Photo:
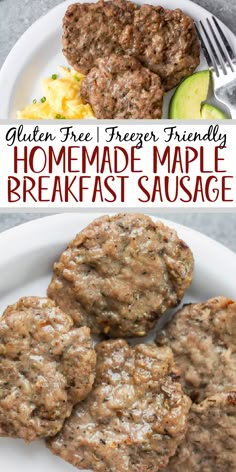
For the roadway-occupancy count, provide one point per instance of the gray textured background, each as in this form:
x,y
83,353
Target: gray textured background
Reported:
x,y
17,15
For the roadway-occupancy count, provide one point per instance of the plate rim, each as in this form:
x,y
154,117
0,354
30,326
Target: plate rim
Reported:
x,y
8,79
207,245
9,234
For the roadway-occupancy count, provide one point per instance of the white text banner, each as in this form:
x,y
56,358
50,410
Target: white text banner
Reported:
x,y
164,165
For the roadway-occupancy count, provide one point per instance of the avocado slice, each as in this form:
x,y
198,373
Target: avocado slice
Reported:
x,y
208,112
187,100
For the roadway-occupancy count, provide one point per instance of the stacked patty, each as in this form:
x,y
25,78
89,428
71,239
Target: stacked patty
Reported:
x,y
167,406
118,276
202,337
210,442
46,367
102,38
119,87
92,31
135,416
121,273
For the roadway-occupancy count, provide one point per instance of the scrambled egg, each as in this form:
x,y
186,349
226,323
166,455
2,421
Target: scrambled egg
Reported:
x,y
61,99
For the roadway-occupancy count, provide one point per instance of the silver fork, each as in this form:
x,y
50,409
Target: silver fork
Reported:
x,y
221,60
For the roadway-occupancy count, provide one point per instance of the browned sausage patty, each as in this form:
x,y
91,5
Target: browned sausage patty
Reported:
x,y
203,339
210,442
121,273
135,416
165,41
92,31
46,366
119,87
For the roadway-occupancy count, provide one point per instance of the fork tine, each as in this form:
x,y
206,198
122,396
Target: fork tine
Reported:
x,y
225,41
213,53
205,50
222,52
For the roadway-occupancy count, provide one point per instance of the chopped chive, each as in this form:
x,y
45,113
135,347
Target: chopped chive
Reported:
x,y
77,78
54,76
34,101
60,117
43,100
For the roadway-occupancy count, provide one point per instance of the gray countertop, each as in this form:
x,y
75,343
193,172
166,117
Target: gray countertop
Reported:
x,y
17,15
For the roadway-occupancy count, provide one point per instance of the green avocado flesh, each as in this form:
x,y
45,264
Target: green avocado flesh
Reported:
x,y
186,103
208,112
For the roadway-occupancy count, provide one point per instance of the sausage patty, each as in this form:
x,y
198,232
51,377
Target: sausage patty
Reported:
x,y
119,87
121,273
46,366
210,442
203,339
135,416
165,41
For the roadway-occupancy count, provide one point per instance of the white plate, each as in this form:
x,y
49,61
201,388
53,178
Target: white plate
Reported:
x,y
38,54
27,253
